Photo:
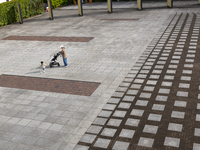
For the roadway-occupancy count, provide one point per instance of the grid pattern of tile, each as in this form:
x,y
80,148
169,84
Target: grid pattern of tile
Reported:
x,y
49,85
49,38
157,105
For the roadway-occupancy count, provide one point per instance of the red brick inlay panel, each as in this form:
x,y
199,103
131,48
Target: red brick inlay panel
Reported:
x,y
49,38
49,85
121,19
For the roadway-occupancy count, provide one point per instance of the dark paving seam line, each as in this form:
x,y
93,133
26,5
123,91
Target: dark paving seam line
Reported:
x,y
82,143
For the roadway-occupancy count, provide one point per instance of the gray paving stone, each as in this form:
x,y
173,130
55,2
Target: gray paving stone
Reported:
x,y
145,95
141,103
147,142
127,133
109,106
180,103
44,125
190,55
118,94
119,113
159,107
191,51
131,75
197,132
187,71
164,83
178,114
114,122
185,78
184,85
159,66
162,58
146,67
149,63
100,121
143,76
2,143
182,94
88,138
137,112
9,146
174,61
132,122
42,143
124,105
121,89
94,129
102,143
152,82
108,132
196,146
168,77
51,119
148,88
197,117
171,71
175,127
121,145
172,142
132,92
164,91
136,86
156,71
138,81
128,98
188,65
161,62
198,105
56,127
145,72
150,129
125,84
161,98
154,117
173,66
114,100
105,113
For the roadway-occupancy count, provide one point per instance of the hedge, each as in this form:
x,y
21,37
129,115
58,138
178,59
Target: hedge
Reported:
x,y
57,3
9,12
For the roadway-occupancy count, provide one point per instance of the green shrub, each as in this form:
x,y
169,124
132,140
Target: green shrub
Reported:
x,y
9,12
56,3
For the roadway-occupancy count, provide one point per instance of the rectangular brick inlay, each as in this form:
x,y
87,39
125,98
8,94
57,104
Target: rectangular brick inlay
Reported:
x,y
121,19
49,38
49,85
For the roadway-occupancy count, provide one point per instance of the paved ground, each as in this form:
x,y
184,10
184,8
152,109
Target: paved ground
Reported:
x,y
147,66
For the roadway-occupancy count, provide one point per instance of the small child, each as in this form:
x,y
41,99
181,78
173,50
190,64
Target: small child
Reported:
x,y
43,66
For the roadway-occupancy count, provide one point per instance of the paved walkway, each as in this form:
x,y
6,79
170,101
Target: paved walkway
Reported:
x,y
147,67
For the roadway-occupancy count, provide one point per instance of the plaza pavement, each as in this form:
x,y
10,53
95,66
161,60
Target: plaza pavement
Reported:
x,y
46,120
